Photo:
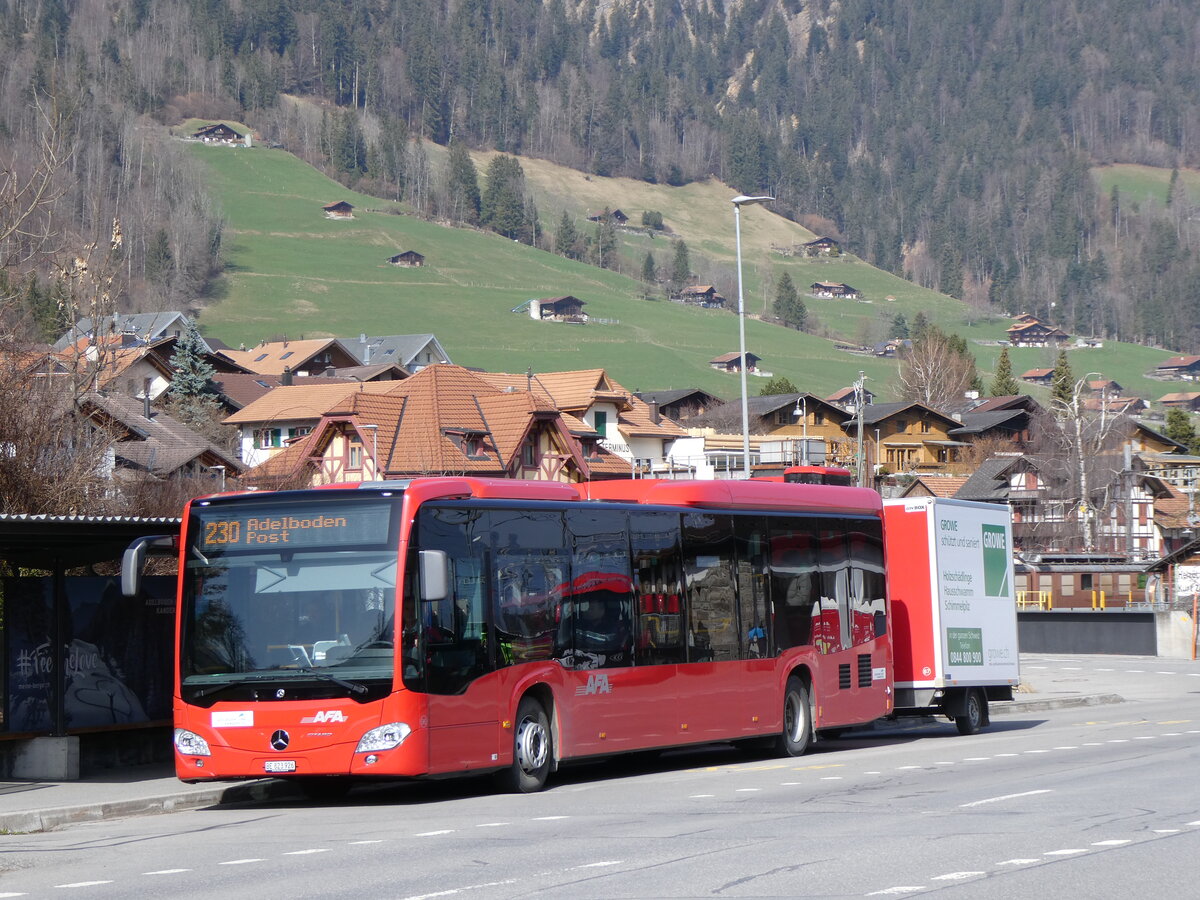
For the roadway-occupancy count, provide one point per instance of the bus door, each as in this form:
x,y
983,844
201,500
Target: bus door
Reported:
x,y
612,705
462,696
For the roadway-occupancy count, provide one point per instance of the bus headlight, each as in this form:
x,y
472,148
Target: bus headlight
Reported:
x,y
191,744
385,737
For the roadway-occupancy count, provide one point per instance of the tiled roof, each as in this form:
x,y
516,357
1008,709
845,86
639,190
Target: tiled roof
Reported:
x,y
272,358
1176,362
941,485
1180,397
307,401
1037,373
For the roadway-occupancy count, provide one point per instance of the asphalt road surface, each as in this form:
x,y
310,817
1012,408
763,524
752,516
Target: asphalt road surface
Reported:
x,y
1071,801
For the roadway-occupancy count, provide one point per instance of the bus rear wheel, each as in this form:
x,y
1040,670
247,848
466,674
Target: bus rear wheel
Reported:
x,y
797,719
532,749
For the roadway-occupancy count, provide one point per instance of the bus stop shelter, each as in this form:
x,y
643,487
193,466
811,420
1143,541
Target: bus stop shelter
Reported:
x,y
79,663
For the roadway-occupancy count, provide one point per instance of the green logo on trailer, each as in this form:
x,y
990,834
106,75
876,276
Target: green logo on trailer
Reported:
x,y
995,561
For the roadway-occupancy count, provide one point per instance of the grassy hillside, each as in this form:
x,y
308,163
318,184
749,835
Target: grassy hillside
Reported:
x,y
293,272
1144,185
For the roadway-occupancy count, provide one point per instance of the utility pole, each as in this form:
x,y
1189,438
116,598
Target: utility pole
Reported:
x,y
859,394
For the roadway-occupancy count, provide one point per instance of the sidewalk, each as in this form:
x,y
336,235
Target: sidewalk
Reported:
x,y
27,806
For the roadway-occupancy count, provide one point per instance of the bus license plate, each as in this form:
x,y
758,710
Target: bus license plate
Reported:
x,y
280,765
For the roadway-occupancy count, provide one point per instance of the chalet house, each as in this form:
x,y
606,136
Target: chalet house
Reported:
x,y
1184,368
892,347
834,290
701,295
220,133
339,210
680,405
409,259
909,437
412,352
1114,406
1014,425
284,414
845,398
636,432
822,246
616,216
558,309
934,485
1106,388
152,444
1034,489
731,362
444,420
297,358
800,428
1038,376
1187,400
1036,334
107,366
134,329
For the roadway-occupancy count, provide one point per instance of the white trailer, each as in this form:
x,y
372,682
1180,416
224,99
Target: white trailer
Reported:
x,y
953,609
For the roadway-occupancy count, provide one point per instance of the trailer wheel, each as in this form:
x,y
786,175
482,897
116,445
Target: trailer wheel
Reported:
x,y
797,719
532,750
974,713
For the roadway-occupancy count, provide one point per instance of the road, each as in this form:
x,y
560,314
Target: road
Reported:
x,y
1095,801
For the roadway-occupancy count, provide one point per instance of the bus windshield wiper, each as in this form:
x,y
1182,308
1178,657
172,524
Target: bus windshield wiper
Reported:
x,y
353,686
226,685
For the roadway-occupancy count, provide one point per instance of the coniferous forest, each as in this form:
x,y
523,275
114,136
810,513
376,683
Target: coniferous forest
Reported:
x,y
949,142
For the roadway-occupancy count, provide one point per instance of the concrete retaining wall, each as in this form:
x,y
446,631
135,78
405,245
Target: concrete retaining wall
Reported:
x,y
1118,632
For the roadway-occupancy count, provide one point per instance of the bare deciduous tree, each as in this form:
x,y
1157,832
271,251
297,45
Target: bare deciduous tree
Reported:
x,y
935,373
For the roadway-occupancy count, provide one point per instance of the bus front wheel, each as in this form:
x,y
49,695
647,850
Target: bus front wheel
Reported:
x,y
797,719
532,749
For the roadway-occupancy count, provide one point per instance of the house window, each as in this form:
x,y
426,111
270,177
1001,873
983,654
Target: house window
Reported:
x,y
818,417
529,454
901,426
268,438
600,420
924,426
260,358
286,355
354,456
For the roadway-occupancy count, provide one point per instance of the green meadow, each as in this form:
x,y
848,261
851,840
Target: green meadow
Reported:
x,y
293,273
1144,185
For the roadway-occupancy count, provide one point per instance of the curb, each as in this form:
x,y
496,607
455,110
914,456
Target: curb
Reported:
x,y
35,820
1020,706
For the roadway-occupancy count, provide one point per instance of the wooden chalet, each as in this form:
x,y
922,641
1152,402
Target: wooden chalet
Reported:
x,y
558,309
1184,368
1036,334
701,295
1105,388
616,216
845,398
219,133
822,246
680,405
836,290
295,358
731,362
409,259
1038,376
1185,400
339,210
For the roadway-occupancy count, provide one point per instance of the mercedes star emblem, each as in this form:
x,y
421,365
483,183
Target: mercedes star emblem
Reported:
x,y
280,739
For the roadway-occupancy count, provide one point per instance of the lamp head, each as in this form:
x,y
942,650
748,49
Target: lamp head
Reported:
x,y
748,200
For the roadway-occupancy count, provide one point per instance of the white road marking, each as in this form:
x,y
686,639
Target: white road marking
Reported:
x,y
159,872
434,833
597,865
701,796
470,887
793,783
549,818
870,773
1069,852
902,768
998,755
12,895
1113,843
307,852
1136,671
1093,744
78,884
238,862
1166,831
832,778
1037,751
957,876
1017,862
943,763
1144,737
1066,748
747,790
1119,741
1003,797
899,889
977,759
1106,670
1170,734
365,842
492,824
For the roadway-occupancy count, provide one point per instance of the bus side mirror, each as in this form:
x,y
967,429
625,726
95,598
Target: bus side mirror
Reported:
x,y
135,559
434,574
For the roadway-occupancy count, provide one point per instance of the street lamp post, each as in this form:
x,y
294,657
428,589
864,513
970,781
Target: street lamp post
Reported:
x,y
738,202
802,411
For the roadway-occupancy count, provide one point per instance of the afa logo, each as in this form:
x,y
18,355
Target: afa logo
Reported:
x,y
596,684
329,715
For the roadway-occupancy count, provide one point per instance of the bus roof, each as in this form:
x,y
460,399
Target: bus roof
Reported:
x,y
728,494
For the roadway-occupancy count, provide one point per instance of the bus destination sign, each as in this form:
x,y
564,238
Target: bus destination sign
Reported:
x,y
265,527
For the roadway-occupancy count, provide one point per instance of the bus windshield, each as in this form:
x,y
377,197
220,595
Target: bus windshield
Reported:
x,y
283,600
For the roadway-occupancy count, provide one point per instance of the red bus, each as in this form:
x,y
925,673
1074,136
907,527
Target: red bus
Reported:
x,y
448,625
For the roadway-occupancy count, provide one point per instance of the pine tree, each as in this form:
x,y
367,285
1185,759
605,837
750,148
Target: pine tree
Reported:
x,y
463,185
566,238
900,327
1179,428
920,325
649,269
780,384
1062,382
1004,384
681,267
502,207
193,373
604,243
789,308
